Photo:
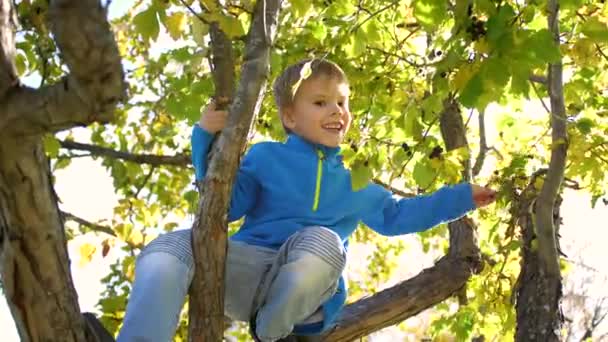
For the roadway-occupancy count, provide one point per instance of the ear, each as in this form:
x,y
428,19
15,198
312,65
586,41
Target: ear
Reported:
x,y
288,118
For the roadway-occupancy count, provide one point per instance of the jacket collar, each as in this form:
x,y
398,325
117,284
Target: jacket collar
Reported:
x,y
298,143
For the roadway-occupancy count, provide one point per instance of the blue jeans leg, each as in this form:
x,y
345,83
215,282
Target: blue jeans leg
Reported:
x,y
161,284
304,275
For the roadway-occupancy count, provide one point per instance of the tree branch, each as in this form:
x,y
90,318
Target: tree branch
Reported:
x,y
483,146
92,90
559,137
393,189
209,231
538,79
92,226
182,160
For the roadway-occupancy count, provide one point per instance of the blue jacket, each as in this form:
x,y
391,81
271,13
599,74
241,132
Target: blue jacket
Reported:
x,y
283,187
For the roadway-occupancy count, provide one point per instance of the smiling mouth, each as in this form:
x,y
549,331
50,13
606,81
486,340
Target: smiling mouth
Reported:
x,y
334,127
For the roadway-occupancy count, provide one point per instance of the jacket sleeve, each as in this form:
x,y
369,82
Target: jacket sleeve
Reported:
x,y
245,188
390,216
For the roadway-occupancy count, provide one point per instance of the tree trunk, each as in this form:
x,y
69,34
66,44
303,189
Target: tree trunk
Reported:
x,y
34,258
34,263
538,314
209,230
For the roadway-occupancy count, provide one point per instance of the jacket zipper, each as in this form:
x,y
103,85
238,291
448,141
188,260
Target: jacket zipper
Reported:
x,y
321,156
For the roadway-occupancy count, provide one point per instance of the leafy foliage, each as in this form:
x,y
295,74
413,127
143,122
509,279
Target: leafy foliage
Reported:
x,y
403,59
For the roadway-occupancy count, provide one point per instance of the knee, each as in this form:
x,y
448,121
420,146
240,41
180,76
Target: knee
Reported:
x,y
324,243
176,243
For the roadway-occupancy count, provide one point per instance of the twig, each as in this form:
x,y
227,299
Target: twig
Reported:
x,y
540,98
538,79
469,118
483,147
393,189
426,133
194,12
92,226
373,15
145,181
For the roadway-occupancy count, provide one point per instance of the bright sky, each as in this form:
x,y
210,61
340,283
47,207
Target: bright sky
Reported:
x,y
584,228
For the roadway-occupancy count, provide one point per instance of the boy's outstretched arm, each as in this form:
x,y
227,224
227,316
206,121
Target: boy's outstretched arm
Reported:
x,y
245,187
390,216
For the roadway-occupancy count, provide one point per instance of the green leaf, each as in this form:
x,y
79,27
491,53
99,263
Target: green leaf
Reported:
x,y
584,125
199,30
340,7
359,43
471,92
430,13
231,26
62,164
21,64
301,7
146,24
318,30
360,176
424,174
498,25
596,30
544,46
51,145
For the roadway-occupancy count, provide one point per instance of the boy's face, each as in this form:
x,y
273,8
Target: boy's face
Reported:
x,y
319,112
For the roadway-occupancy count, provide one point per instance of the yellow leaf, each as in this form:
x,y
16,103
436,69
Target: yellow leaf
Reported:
x,y
482,46
175,24
136,237
86,253
462,77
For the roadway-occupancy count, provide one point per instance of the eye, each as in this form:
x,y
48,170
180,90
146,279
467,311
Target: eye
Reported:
x,y
320,103
341,104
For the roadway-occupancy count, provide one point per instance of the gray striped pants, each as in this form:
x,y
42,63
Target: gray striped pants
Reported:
x,y
285,287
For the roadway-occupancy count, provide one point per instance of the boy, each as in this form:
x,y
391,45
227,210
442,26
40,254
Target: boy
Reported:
x,y
284,265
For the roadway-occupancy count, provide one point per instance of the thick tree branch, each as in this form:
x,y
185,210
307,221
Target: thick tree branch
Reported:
x,y
412,296
151,159
559,140
34,263
89,93
209,230
539,286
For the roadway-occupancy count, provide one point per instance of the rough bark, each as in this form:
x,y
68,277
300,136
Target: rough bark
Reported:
x,y
92,89
209,231
432,286
538,297
537,307
34,263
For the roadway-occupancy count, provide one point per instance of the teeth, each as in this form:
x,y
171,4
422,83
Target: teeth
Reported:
x,y
333,126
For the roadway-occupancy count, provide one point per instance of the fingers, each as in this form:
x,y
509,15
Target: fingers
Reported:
x,y
483,196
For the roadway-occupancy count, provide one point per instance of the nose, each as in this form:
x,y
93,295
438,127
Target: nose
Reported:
x,y
336,109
